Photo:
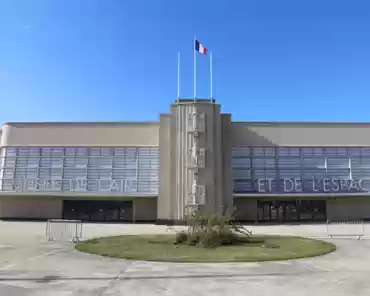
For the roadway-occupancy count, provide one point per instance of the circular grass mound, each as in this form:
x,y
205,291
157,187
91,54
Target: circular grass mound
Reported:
x,y
162,248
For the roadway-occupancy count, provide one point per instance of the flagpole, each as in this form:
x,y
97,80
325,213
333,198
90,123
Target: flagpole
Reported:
x,y
211,75
178,75
195,69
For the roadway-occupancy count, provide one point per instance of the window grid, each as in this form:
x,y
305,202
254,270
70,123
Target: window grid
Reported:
x,y
127,169
305,163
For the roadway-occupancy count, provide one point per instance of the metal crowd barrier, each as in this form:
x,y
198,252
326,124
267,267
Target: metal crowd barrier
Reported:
x,y
64,230
345,228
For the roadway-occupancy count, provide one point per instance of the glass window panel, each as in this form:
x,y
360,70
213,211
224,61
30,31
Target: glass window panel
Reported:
x,y
365,151
318,151
259,174
335,162
80,164
270,151
289,162
95,151
10,161
11,152
237,174
81,151
289,173
318,173
258,151
354,151
356,161
333,173
342,151
241,152
271,174
243,186
282,151
314,162
8,173
331,151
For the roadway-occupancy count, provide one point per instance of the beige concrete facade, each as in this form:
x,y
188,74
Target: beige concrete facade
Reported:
x,y
145,209
300,134
192,131
30,207
348,208
246,209
80,134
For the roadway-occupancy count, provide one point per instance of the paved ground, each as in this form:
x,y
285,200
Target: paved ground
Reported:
x,y
30,265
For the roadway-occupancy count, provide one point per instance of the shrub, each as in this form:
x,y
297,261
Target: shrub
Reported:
x,y
209,239
213,231
193,238
181,237
227,237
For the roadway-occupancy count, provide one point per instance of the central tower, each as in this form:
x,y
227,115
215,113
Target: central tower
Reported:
x,y
196,166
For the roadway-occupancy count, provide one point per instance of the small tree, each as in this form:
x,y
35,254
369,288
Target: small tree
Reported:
x,y
211,231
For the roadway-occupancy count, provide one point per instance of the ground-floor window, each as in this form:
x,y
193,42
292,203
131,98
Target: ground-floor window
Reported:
x,y
291,210
97,210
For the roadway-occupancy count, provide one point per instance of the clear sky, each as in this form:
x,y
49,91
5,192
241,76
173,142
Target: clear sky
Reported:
x,y
115,60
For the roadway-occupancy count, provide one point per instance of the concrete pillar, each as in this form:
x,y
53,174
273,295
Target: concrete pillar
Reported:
x,y
212,172
227,176
165,194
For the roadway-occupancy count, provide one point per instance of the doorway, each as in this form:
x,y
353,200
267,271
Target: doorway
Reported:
x,y
98,210
291,210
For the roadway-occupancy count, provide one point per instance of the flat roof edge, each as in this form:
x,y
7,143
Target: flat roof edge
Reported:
x,y
279,195
277,123
74,194
92,123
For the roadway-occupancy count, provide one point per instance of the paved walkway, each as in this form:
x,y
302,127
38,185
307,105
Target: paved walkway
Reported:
x,y
29,265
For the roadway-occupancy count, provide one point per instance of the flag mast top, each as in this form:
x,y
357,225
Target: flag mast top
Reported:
x,y
197,47
178,76
195,67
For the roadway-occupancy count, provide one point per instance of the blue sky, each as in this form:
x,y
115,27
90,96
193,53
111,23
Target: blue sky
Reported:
x,y
115,60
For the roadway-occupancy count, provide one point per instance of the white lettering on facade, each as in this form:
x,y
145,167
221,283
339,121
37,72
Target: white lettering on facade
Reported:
x,y
114,186
343,184
78,184
326,184
269,182
335,185
291,185
318,185
352,185
260,185
314,185
27,184
362,186
297,185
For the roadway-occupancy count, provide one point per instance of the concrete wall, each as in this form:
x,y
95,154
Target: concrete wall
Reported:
x,y
300,134
246,209
182,139
80,134
30,208
164,203
145,209
348,208
227,180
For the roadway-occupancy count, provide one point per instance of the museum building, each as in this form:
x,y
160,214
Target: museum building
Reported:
x,y
195,157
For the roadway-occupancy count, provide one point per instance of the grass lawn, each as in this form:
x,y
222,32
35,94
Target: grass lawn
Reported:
x,y
161,248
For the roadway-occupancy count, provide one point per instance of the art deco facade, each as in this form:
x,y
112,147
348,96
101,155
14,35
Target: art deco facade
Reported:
x,y
195,157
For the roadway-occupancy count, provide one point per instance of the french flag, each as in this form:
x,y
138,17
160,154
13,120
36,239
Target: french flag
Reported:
x,y
200,47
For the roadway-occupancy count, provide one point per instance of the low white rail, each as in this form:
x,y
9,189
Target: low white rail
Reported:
x,y
64,230
345,228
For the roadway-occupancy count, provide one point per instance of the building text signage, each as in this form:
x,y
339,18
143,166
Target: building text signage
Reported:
x,y
79,185
315,185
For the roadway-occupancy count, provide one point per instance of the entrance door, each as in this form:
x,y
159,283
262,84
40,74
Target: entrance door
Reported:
x,y
98,210
291,210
